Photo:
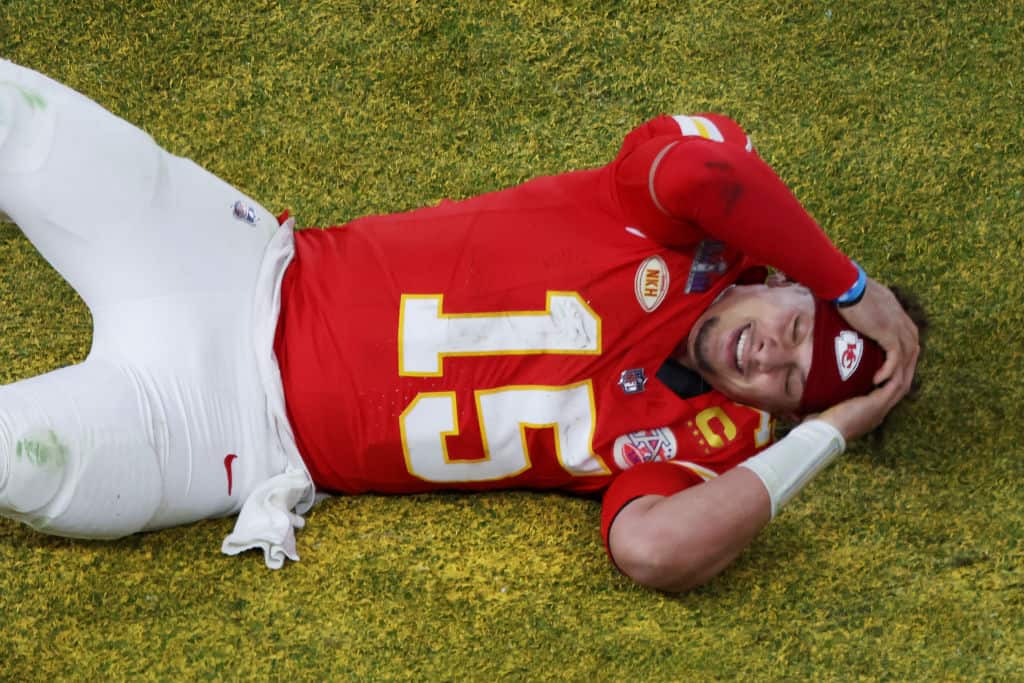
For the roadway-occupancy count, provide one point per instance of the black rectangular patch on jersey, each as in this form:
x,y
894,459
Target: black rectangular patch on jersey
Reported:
x,y
709,264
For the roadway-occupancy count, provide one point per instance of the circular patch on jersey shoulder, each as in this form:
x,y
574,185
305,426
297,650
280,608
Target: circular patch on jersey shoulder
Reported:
x,y
648,445
651,282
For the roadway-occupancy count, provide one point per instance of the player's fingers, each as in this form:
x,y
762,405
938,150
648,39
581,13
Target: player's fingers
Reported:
x,y
900,353
880,402
892,362
913,353
896,389
903,380
908,335
910,348
915,333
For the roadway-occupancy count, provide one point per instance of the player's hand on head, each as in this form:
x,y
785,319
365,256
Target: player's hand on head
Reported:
x,y
857,416
880,316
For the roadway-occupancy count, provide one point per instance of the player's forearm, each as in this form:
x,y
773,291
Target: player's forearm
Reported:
x,y
734,196
679,542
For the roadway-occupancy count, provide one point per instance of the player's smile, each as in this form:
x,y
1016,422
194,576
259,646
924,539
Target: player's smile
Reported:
x,y
739,348
754,344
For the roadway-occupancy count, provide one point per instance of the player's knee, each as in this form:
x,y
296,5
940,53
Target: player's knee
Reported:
x,y
90,486
32,469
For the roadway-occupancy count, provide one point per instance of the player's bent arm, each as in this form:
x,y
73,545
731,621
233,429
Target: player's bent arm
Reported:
x,y
736,197
680,541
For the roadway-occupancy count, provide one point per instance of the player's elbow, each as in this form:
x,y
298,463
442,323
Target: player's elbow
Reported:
x,y
664,562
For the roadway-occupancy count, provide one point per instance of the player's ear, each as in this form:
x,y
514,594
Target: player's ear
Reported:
x,y
777,279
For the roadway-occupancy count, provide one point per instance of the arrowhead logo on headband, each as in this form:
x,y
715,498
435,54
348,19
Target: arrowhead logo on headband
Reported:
x,y
849,350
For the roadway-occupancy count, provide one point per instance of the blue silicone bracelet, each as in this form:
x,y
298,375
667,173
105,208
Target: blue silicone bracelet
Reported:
x,y
854,294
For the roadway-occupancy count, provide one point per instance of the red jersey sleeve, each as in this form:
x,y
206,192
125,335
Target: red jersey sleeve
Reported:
x,y
716,437
701,178
648,479
711,126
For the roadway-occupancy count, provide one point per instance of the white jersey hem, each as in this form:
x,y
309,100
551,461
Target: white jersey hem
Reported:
x,y
273,510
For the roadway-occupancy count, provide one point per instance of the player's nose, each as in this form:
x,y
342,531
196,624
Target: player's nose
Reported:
x,y
768,353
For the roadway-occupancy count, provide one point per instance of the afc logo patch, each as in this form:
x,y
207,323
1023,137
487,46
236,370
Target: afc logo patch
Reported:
x,y
648,445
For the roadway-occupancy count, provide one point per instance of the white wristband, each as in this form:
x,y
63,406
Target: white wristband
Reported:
x,y
788,465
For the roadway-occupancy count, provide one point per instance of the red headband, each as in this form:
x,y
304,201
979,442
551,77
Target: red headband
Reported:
x,y
843,362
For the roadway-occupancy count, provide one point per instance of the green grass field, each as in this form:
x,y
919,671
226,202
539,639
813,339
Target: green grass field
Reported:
x,y
899,125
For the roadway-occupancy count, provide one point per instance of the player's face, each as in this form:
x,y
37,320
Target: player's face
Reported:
x,y
754,344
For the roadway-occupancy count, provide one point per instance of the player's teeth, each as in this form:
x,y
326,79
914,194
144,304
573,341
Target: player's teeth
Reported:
x,y
741,343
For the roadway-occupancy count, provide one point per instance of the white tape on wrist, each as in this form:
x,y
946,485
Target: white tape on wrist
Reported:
x,y
788,465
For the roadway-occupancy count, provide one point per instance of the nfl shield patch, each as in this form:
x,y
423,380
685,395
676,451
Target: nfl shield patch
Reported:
x,y
245,212
633,381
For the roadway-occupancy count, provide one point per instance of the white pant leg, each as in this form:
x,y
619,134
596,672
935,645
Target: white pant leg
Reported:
x,y
171,272
115,214
173,427
66,433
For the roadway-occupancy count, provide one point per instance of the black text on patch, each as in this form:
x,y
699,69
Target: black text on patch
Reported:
x,y
651,283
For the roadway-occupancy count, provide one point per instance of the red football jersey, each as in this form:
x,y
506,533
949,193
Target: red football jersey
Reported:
x,y
512,339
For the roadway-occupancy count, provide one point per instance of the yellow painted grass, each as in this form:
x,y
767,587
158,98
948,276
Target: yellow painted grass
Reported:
x,y
899,125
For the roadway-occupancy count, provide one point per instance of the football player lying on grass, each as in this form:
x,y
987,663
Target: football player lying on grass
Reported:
x,y
521,339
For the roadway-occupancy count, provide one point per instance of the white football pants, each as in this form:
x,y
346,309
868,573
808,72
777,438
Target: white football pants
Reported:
x,y
177,414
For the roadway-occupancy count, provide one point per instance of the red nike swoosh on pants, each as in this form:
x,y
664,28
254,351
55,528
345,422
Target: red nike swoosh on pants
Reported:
x,y
228,460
